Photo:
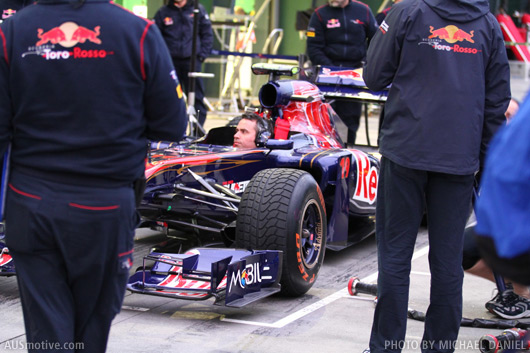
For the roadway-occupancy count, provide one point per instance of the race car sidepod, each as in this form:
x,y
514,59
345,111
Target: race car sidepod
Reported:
x,y
235,277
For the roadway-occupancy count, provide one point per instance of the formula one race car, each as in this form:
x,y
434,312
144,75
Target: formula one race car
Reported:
x,y
299,193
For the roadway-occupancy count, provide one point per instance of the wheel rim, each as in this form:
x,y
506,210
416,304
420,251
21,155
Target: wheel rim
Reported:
x,y
311,231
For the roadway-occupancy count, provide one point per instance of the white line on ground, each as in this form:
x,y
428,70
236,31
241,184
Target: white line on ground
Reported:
x,y
343,293
134,308
420,273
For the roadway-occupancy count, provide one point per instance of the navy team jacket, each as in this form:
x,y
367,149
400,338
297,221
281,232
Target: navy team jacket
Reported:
x,y
338,36
450,79
176,26
82,88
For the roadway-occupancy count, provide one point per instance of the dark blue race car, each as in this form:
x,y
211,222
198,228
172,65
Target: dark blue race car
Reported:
x,y
270,212
300,193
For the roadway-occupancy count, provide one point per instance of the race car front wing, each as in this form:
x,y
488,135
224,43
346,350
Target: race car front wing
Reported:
x,y
234,277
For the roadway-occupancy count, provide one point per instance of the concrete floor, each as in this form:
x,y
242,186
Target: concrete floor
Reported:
x,y
326,319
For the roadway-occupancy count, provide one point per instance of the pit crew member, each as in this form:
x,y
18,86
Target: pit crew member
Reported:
x,y
11,7
337,36
502,208
175,21
450,79
514,302
83,85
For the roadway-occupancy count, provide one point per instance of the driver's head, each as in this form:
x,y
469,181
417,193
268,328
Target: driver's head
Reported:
x,y
248,129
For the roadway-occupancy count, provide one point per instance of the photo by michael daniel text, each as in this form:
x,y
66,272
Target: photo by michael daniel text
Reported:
x,y
447,345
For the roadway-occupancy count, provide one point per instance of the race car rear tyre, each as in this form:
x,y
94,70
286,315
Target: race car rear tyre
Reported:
x,y
283,209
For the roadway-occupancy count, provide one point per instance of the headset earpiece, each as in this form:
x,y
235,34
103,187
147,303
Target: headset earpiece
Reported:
x,y
264,132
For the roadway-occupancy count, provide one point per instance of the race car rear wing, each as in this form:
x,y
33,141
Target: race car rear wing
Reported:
x,y
334,82
343,83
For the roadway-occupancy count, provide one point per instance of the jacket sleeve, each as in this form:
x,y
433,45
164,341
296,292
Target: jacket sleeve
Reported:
x,y
158,19
5,100
502,209
205,34
384,51
497,90
371,25
316,42
165,109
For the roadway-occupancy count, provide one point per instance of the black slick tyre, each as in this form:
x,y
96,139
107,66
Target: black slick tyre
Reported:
x,y
283,209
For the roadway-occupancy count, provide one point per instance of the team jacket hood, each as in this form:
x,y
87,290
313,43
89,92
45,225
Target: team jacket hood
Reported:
x,y
459,10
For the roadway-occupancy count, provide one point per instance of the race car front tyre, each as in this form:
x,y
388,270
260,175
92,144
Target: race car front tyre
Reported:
x,y
283,209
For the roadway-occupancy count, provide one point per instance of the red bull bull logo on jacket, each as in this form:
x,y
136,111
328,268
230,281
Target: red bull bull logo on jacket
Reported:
x,y
441,38
8,13
333,23
451,34
68,35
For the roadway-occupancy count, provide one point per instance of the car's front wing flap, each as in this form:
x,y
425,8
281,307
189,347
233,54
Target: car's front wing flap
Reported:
x,y
234,277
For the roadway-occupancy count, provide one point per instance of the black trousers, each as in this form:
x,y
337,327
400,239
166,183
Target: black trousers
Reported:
x,y
72,248
402,196
350,114
182,67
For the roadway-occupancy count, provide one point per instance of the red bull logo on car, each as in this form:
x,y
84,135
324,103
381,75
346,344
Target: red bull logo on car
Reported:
x,y
440,39
68,35
367,179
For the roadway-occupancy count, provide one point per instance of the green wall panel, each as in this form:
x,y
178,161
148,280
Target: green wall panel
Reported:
x,y
292,44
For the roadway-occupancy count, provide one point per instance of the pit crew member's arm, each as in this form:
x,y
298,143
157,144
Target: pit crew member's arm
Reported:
x,y
384,51
165,109
502,209
316,42
5,101
206,35
497,89
158,20
371,25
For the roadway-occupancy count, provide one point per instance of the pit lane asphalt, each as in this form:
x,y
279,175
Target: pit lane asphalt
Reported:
x,y
326,319
155,324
